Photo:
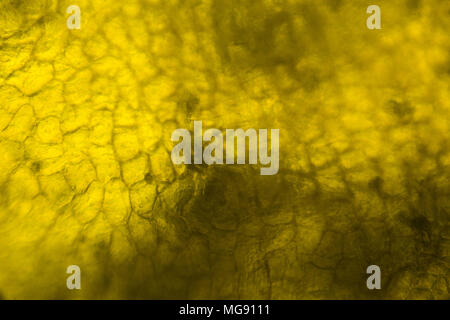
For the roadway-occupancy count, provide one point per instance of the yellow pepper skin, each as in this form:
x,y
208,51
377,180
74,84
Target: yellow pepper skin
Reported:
x,y
86,177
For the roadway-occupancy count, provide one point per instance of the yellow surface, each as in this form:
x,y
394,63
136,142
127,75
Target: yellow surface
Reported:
x,y
86,178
